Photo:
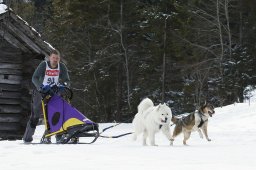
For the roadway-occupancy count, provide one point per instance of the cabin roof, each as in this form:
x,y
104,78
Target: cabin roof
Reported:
x,y
20,34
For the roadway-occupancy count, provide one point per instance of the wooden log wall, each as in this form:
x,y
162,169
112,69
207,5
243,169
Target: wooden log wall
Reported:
x,y
14,96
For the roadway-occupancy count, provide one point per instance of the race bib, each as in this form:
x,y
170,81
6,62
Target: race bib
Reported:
x,y
51,75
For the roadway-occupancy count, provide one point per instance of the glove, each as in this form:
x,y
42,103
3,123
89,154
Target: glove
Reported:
x,y
61,88
45,88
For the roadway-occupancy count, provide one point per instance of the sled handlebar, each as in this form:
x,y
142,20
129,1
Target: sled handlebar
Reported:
x,y
61,90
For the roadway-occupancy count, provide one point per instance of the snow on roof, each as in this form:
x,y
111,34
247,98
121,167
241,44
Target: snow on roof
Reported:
x,y
49,45
2,8
32,28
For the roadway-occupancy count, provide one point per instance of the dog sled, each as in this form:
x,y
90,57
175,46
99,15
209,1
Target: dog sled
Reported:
x,y
65,121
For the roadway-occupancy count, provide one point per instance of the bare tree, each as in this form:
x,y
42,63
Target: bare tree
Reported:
x,y
220,29
164,59
124,50
226,6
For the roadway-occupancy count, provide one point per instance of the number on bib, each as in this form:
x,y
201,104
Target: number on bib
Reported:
x,y
50,80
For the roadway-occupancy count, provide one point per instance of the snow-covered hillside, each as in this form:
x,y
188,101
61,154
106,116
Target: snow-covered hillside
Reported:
x,y
232,130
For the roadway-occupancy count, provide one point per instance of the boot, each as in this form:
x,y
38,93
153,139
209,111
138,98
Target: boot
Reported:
x,y
74,140
27,137
46,140
62,139
58,138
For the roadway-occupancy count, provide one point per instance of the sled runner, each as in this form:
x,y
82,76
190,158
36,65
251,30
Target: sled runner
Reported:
x,y
63,120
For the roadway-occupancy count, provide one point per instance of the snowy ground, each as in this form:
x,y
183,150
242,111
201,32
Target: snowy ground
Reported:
x,y
232,130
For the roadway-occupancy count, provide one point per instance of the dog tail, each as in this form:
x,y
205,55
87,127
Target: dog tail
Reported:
x,y
145,104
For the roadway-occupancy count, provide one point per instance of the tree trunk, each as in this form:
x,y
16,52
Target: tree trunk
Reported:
x,y
164,60
240,27
119,93
228,28
124,50
220,30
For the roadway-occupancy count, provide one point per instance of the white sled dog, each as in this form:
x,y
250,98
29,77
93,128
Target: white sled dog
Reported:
x,y
151,119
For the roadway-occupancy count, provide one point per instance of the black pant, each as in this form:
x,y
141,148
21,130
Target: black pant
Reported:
x,y
36,111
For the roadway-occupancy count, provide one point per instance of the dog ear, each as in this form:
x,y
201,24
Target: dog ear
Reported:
x,y
205,104
201,109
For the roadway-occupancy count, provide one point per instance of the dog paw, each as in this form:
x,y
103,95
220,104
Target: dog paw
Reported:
x,y
209,139
185,144
201,135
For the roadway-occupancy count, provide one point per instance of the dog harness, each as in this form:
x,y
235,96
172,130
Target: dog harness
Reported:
x,y
202,121
51,75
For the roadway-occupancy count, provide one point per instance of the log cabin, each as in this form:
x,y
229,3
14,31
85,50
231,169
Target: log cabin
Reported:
x,y
21,50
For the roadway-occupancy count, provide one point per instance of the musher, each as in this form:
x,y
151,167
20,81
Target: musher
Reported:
x,y
48,72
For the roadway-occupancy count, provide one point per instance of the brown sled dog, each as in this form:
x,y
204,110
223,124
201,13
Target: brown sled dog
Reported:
x,y
193,122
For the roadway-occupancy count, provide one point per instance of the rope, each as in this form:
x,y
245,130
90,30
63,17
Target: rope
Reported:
x,y
117,136
109,127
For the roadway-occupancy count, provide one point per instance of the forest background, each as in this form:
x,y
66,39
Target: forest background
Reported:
x,y
182,52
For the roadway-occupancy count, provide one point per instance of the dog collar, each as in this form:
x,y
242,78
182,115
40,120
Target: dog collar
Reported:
x,y
201,114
